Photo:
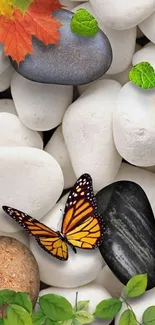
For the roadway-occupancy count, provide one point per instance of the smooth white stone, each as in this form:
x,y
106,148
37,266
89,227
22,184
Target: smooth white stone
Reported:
x,y
7,105
122,42
4,60
147,26
40,106
146,54
57,148
109,281
122,14
138,305
5,78
31,181
79,269
15,134
22,236
140,176
134,129
93,293
87,130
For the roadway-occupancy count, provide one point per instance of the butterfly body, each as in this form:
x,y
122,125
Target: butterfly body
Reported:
x,y
81,227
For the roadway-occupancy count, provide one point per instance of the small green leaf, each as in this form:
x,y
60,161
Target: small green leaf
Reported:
x,y
17,315
84,317
108,308
143,75
66,322
149,316
136,286
21,5
128,318
82,305
56,307
83,23
6,296
38,318
23,300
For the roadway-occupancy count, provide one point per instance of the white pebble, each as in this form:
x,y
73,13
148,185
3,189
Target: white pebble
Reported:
x,y
31,181
87,130
69,4
122,42
140,176
109,281
57,148
134,125
40,106
5,78
138,305
146,54
147,26
80,268
7,105
124,14
15,134
93,293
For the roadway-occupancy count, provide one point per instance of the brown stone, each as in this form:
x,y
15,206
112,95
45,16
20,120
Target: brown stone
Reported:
x,y
18,268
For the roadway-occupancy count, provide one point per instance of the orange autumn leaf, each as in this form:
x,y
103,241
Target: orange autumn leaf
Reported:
x,y
16,33
48,5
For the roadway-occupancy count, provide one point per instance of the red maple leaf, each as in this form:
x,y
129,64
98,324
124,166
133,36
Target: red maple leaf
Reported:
x,y
17,34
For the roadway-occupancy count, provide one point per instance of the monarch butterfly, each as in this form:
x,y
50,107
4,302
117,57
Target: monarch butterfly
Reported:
x,y
81,227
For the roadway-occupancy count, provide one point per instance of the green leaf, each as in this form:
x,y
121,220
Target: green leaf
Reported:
x,y
143,75
128,318
56,307
108,308
149,316
67,322
83,23
21,4
51,322
38,318
23,300
1,321
17,315
82,305
84,317
6,296
136,286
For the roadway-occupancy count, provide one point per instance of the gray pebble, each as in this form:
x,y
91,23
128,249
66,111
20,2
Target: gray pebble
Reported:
x,y
75,60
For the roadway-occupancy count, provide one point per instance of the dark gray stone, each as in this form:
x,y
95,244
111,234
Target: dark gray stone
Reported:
x,y
75,60
129,239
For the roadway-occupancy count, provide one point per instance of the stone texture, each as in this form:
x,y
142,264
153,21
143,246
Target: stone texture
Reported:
x,y
71,62
129,239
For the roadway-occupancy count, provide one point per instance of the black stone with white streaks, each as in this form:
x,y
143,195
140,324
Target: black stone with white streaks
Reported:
x,y
129,239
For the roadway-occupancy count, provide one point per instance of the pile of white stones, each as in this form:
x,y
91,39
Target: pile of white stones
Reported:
x,y
112,119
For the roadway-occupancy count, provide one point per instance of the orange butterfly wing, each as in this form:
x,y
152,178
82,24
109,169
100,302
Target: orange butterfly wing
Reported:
x,y
47,238
81,225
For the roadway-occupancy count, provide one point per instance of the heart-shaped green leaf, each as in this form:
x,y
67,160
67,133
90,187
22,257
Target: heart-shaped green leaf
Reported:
x,y
128,318
56,307
84,24
149,316
108,308
136,286
143,75
17,315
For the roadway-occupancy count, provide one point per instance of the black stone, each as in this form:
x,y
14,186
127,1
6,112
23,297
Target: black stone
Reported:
x,y
129,238
74,60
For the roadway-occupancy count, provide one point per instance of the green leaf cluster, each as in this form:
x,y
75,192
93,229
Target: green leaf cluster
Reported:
x,y
16,308
143,75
